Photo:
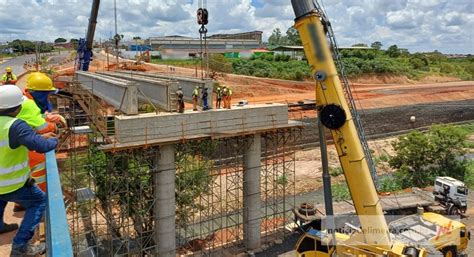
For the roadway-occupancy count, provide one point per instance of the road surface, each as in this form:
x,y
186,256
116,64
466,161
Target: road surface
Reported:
x,y
16,64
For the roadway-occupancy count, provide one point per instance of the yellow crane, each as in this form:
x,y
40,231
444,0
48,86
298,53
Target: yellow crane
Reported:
x,y
336,114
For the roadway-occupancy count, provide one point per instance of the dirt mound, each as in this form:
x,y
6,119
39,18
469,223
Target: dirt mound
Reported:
x,y
397,79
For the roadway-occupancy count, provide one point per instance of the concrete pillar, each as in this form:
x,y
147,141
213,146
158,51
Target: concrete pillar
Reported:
x,y
252,200
163,180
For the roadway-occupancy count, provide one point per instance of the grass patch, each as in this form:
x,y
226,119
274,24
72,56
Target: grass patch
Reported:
x,y
180,63
340,192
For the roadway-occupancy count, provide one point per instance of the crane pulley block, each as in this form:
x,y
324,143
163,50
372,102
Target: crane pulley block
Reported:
x,y
202,16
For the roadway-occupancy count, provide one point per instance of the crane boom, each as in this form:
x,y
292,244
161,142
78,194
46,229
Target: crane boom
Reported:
x,y
92,24
335,115
85,45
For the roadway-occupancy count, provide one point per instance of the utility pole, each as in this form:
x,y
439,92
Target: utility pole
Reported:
x,y
117,37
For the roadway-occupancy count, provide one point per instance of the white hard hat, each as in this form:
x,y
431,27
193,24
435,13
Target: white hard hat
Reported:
x,y
10,97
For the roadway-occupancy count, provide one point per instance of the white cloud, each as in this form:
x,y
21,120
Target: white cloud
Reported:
x,y
419,25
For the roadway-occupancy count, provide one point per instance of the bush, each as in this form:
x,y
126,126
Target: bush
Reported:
x,y
389,184
421,157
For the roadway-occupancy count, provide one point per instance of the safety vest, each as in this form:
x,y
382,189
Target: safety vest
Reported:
x,y
14,169
5,77
195,92
31,114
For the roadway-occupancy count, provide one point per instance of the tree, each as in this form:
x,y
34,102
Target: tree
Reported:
x,y
376,45
219,66
74,42
393,51
275,38
420,158
137,38
60,40
293,37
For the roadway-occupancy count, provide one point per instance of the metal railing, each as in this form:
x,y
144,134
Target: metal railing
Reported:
x,y
58,239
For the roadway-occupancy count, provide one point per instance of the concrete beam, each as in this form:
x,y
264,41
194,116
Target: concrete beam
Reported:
x,y
164,209
251,191
152,126
161,93
187,83
121,94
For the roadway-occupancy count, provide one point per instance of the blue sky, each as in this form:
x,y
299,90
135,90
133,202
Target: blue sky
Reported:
x,y
419,25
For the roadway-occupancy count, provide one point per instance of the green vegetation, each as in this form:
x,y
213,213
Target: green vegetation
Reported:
x,y
469,177
356,62
335,171
340,192
392,61
420,157
272,66
181,63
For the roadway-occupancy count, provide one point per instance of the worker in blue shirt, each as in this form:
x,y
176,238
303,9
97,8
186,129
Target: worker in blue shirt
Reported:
x,y
16,138
205,105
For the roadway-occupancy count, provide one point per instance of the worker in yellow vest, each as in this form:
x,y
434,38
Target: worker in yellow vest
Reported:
x,y
41,123
9,78
195,98
16,138
229,97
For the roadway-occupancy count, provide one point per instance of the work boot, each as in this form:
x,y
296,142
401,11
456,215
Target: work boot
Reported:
x,y
28,250
8,228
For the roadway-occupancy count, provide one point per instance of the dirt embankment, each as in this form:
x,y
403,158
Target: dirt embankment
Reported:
x,y
398,79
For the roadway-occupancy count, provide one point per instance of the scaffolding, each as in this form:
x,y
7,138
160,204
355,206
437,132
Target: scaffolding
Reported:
x,y
111,193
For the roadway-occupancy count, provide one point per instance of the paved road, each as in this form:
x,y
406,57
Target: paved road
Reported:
x,y
16,64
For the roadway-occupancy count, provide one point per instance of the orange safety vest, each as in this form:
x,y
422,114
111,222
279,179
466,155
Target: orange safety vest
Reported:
x,y
31,114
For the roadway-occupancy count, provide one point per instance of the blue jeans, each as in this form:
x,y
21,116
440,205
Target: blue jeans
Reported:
x,y
34,201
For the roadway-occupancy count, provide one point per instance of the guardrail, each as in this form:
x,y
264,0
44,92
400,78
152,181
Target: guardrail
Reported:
x,y
58,238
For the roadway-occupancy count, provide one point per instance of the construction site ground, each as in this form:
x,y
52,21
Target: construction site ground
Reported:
x,y
371,92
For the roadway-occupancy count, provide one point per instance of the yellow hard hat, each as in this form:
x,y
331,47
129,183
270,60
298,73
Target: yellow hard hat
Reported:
x,y
8,69
38,81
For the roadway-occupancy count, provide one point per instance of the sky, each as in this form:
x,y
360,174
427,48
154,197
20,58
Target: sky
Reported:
x,y
418,25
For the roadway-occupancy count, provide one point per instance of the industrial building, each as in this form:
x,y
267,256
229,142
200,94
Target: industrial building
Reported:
x,y
179,47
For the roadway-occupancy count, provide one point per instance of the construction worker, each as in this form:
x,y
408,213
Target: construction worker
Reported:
x,y
41,123
229,97
180,103
39,87
225,93
218,98
205,105
195,98
16,138
9,77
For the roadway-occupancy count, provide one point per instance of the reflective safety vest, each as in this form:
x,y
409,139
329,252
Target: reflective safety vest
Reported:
x,y
31,114
14,169
6,77
195,92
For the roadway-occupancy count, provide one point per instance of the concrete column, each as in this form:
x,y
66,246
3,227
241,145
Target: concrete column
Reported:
x,y
252,200
163,180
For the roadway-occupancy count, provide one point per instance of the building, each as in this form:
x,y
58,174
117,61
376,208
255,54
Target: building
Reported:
x,y
179,47
297,52
252,35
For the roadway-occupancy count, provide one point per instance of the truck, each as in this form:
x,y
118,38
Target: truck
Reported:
x,y
451,194
337,113
431,230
